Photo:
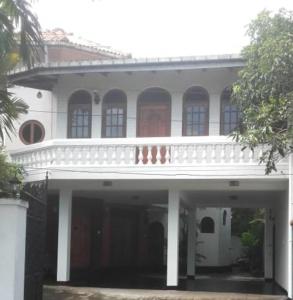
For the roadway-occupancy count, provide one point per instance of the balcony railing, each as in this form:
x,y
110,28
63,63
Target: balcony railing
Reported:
x,y
147,152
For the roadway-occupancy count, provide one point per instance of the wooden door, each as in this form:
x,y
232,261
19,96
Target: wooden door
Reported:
x,y
154,120
80,241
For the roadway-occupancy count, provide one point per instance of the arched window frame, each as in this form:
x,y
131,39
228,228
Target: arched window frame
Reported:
x,y
207,225
195,105
114,107
229,111
83,102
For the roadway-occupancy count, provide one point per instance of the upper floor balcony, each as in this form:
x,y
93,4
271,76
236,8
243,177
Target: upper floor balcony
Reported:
x,y
136,158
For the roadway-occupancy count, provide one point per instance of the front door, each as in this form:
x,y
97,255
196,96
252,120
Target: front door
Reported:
x,y
154,121
80,241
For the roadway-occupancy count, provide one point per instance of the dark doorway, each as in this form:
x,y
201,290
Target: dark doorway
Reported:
x,y
156,245
123,238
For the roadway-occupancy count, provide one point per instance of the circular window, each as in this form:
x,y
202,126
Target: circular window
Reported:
x,y
31,132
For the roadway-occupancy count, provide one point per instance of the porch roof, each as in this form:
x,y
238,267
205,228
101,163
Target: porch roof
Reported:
x,y
45,75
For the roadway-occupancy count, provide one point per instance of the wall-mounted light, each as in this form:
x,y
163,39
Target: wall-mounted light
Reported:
x,y
39,95
234,183
97,98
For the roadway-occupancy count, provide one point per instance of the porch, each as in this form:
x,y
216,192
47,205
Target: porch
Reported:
x,y
104,228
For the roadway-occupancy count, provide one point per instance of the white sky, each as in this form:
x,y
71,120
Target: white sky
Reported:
x,y
148,28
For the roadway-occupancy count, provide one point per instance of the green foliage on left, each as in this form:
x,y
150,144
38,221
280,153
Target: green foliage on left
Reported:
x,y
8,172
20,42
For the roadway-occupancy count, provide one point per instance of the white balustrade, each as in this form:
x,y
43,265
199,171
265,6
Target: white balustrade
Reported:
x,y
149,152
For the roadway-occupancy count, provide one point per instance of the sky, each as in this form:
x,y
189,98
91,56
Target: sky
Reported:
x,y
158,28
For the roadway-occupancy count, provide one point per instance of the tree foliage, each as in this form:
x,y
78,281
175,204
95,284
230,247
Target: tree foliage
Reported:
x,y
8,172
264,91
20,41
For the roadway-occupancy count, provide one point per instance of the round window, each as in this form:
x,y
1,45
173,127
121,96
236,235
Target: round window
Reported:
x,y
31,132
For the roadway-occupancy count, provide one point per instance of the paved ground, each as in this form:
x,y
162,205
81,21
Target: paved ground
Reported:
x,y
82,293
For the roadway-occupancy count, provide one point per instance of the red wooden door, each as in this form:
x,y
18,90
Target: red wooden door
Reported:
x,y
154,121
80,241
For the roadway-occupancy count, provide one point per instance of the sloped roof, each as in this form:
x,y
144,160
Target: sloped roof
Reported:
x,y
60,37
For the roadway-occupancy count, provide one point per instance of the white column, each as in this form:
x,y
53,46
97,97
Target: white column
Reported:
x,y
214,114
173,238
268,244
97,117
290,218
176,114
131,114
191,243
64,235
12,248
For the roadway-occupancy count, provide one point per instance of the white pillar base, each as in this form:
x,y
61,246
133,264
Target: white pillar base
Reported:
x,y
64,235
173,238
12,248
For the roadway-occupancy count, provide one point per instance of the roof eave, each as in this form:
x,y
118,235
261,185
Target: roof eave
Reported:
x,y
41,72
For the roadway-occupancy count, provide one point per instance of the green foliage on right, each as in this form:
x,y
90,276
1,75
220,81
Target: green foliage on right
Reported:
x,y
264,91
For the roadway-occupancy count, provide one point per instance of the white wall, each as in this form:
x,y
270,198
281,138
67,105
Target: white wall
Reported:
x,y
38,110
12,248
214,81
215,246
281,240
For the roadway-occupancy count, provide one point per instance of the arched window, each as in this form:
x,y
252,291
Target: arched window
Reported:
x,y
225,217
195,112
230,113
114,114
154,113
80,115
207,225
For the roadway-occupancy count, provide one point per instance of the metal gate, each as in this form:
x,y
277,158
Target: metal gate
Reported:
x,y
36,195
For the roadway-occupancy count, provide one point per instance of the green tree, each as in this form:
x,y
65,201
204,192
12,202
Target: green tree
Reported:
x,y
264,91
20,41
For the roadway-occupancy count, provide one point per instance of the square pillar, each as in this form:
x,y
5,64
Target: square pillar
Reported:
x,y
290,228
173,238
13,215
268,245
191,243
176,114
64,235
131,114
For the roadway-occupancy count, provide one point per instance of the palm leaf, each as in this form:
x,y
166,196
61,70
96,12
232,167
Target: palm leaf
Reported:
x,y
10,109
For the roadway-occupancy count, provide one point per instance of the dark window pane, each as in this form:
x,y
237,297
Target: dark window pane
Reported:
x,y
26,133
207,225
37,133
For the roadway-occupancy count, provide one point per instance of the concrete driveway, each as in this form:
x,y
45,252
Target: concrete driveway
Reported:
x,y
83,293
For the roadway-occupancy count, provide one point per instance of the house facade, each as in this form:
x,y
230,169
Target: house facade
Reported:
x,y
132,149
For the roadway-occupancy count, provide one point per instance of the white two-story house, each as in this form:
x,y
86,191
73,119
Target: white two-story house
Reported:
x,y
132,147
